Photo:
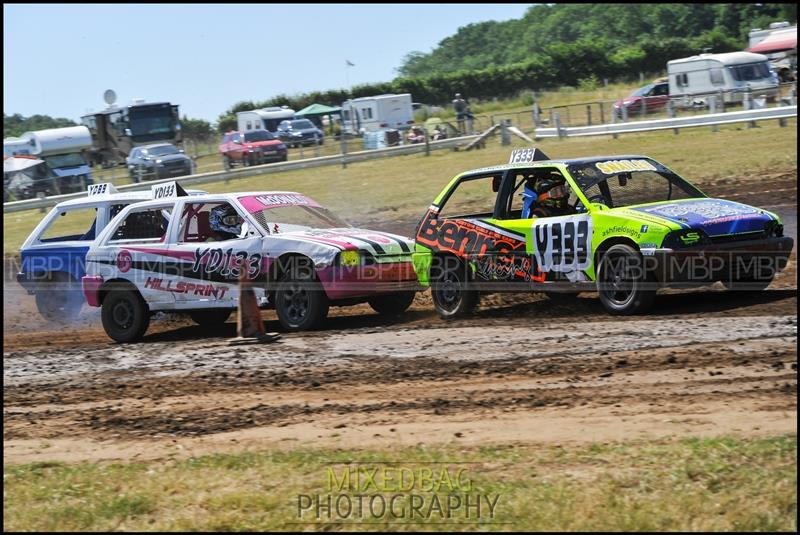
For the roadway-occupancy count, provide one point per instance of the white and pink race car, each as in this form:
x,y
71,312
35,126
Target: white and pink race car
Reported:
x,y
181,253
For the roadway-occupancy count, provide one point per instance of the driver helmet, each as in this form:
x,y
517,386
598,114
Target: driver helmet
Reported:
x,y
224,219
551,190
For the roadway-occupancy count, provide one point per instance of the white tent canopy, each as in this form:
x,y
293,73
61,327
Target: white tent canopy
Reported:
x,y
13,164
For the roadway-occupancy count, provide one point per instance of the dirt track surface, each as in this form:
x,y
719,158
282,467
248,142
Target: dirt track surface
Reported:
x,y
524,368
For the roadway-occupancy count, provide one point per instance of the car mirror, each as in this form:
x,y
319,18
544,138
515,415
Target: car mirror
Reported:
x,y
623,178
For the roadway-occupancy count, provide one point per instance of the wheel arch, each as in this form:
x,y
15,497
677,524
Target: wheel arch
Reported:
x,y
116,284
608,243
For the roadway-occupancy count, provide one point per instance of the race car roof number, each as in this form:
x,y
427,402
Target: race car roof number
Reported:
x,y
620,166
527,155
169,189
101,189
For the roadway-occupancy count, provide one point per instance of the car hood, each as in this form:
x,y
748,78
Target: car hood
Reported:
x,y
716,217
171,157
267,143
324,245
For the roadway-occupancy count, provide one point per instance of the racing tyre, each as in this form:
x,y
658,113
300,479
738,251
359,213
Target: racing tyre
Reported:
x,y
226,163
392,304
300,300
125,315
59,301
624,287
450,288
213,317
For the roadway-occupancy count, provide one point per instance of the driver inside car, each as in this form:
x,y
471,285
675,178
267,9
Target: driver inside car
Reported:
x,y
552,196
225,222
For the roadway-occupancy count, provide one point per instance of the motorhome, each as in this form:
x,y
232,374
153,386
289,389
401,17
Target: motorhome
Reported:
x,y
733,73
62,149
381,112
779,44
263,119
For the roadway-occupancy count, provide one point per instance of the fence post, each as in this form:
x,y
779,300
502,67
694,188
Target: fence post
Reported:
x,y
643,111
671,114
536,115
589,114
343,145
712,108
505,137
624,113
721,102
427,142
557,119
552,118
602,114
614,121
316,146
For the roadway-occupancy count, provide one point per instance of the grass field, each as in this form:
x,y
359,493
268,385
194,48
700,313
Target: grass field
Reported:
x,y
720,484
400,188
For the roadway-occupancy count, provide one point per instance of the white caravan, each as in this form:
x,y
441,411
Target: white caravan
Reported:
x,y
371,114
733,73
263,119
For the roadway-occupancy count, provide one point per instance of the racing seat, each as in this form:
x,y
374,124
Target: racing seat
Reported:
x,y
204,230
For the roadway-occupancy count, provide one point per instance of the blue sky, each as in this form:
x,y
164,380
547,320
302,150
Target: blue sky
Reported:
x,y
59,59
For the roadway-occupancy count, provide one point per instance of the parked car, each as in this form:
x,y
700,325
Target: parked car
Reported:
x,y
188,254
623,226
161,160
251,148
654,96
297,132
54,254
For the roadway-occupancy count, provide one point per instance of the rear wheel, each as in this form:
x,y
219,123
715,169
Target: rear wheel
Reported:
x,y
450,288
59,300
392,304
125,315
623,285
212,317
300,300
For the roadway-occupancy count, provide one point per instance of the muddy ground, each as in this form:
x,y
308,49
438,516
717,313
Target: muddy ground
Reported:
x,y
523,369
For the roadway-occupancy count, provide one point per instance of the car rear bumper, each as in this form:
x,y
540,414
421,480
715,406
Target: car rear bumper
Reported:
x,y
342,282
91,289
719,262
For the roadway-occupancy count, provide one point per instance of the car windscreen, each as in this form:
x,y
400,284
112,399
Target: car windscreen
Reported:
x,y
60,161
305,123
642,91
629,182
258,135
290,212
163,150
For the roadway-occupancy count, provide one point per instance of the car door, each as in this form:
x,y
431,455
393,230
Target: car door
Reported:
x,y
658,97
236,146
212,260
556,248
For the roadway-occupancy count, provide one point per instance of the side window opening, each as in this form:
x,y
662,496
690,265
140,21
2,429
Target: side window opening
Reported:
x,y
71,225
209,222
471,197
522,198
149,225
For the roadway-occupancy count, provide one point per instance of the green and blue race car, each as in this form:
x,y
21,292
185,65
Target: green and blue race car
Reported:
x,y
628,226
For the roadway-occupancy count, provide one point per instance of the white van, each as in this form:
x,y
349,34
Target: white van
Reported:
x,y
263,119
381,112
732,73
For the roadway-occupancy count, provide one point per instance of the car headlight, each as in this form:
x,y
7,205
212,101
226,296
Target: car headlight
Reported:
x,y
159,161
349,258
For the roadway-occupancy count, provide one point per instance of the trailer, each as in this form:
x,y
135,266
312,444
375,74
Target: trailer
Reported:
x,y
733,73
263,119
779,44
381,112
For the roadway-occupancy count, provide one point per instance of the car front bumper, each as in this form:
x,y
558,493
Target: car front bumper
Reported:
x,y
342,282
718,262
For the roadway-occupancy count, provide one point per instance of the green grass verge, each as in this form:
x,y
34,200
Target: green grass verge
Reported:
x,y
719,484
400,188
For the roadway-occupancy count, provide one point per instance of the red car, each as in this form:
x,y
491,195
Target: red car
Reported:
x,y
655,97
251,148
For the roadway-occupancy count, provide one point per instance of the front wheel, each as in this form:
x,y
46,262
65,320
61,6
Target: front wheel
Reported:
x,y
392,304
450,289
125,315
623,285
300,300
212,317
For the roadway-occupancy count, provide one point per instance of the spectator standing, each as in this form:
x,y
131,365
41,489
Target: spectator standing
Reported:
x,y
461,108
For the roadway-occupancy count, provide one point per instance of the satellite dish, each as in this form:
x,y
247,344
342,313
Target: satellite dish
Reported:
x,y
110,97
